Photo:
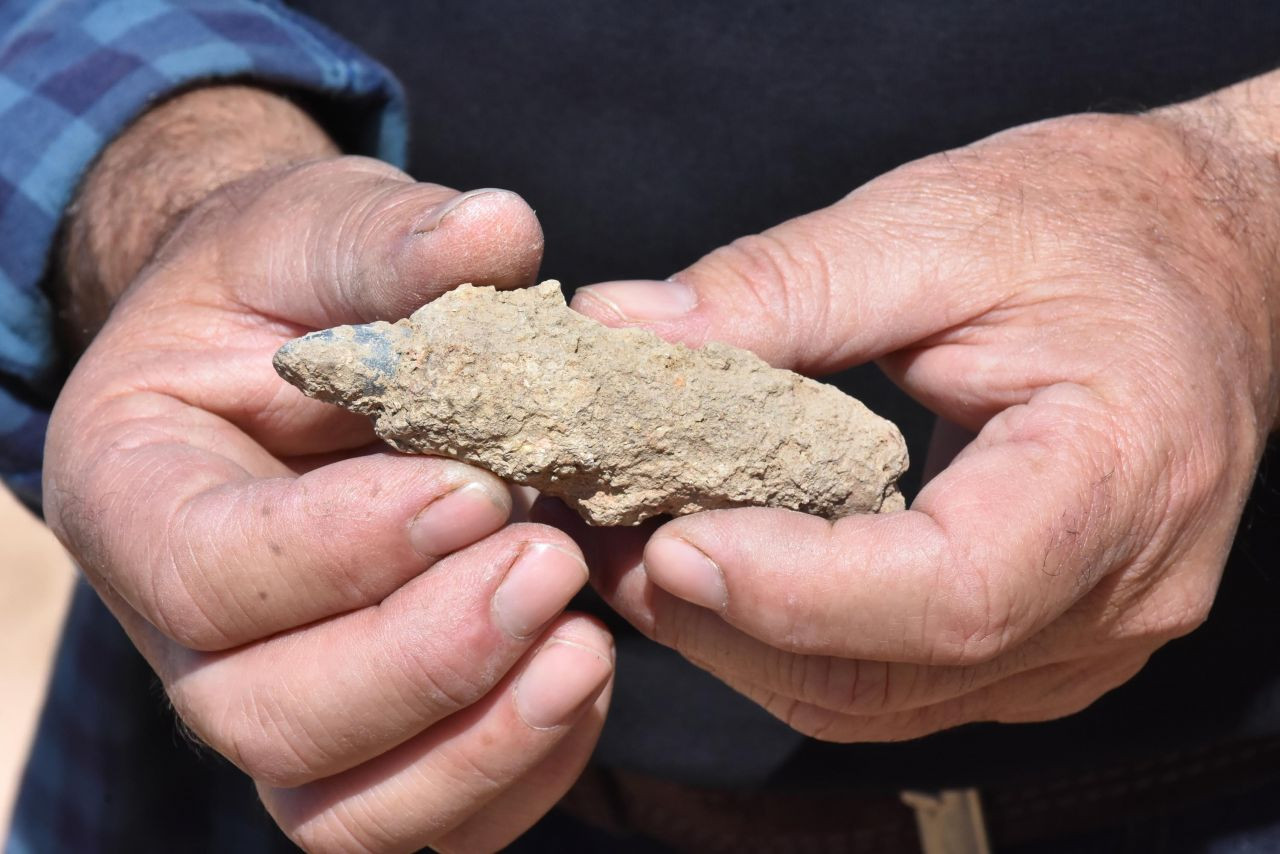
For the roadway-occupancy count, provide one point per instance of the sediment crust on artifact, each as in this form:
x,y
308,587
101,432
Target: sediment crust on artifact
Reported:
x,y
618,423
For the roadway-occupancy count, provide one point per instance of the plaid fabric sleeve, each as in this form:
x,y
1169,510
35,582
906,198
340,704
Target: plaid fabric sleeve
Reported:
x,y
73,74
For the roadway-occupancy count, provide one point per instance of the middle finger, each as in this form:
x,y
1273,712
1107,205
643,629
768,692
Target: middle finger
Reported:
x,y
324,698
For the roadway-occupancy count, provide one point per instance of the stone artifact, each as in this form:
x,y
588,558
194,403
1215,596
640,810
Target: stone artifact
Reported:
x,y
618,423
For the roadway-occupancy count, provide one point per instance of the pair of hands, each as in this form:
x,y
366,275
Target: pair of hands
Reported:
x,y
366,635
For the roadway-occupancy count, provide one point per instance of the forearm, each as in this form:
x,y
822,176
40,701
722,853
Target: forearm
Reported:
x,y
166,162
1235,133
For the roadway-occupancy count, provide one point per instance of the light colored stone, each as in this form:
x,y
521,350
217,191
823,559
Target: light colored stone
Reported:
x,y
618,423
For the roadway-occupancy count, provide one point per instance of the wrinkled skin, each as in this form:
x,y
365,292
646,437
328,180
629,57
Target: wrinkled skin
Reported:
x,y
1089,296
370,674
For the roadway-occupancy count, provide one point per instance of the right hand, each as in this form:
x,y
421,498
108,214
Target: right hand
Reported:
x,y
354,628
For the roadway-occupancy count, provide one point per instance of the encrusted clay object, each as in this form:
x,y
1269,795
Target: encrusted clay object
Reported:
x,y
618,423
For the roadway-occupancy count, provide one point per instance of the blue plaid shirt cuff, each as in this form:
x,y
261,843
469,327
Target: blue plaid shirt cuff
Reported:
x,y
73,74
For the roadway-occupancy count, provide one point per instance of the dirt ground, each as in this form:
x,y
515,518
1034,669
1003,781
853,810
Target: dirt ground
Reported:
x,y
35,586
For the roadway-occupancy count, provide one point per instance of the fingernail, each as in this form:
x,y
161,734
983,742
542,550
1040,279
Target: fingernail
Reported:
x,y
643,301
438,214
558,683
458,519
539,584
683,570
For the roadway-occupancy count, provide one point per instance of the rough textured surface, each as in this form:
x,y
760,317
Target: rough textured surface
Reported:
x,y
617,422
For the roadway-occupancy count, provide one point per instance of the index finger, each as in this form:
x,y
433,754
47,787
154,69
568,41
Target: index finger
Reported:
x,y
217,543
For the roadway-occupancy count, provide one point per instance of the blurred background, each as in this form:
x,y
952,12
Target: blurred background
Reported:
x,y
35,587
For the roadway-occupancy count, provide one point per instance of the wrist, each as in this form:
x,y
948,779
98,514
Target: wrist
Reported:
x,y
1232,137
152,174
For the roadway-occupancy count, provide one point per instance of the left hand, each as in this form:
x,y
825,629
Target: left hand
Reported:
x,y
1090,296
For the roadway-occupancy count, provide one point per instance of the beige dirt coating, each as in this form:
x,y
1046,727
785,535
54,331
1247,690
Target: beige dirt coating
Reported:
x,y
618,423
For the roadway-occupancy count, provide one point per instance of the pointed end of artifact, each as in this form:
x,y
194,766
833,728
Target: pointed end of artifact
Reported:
x,y
348,365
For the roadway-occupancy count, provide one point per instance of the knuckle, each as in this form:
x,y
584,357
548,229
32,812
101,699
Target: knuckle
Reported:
x,y
442,668
181,613
1190,618
968,622
1183,619
766,263
188,574
478,772
1179,608
675,626
310,503
267,741
1202,483
351,236
968,639
250,726
351,175
687,629
181,603
787,280
850,686
332,168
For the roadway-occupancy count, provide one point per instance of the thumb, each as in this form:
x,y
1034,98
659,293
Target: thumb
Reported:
x,y
818,293
352,240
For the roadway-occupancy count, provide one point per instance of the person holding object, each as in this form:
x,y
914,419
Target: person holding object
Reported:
x,y
1094,298
366,637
